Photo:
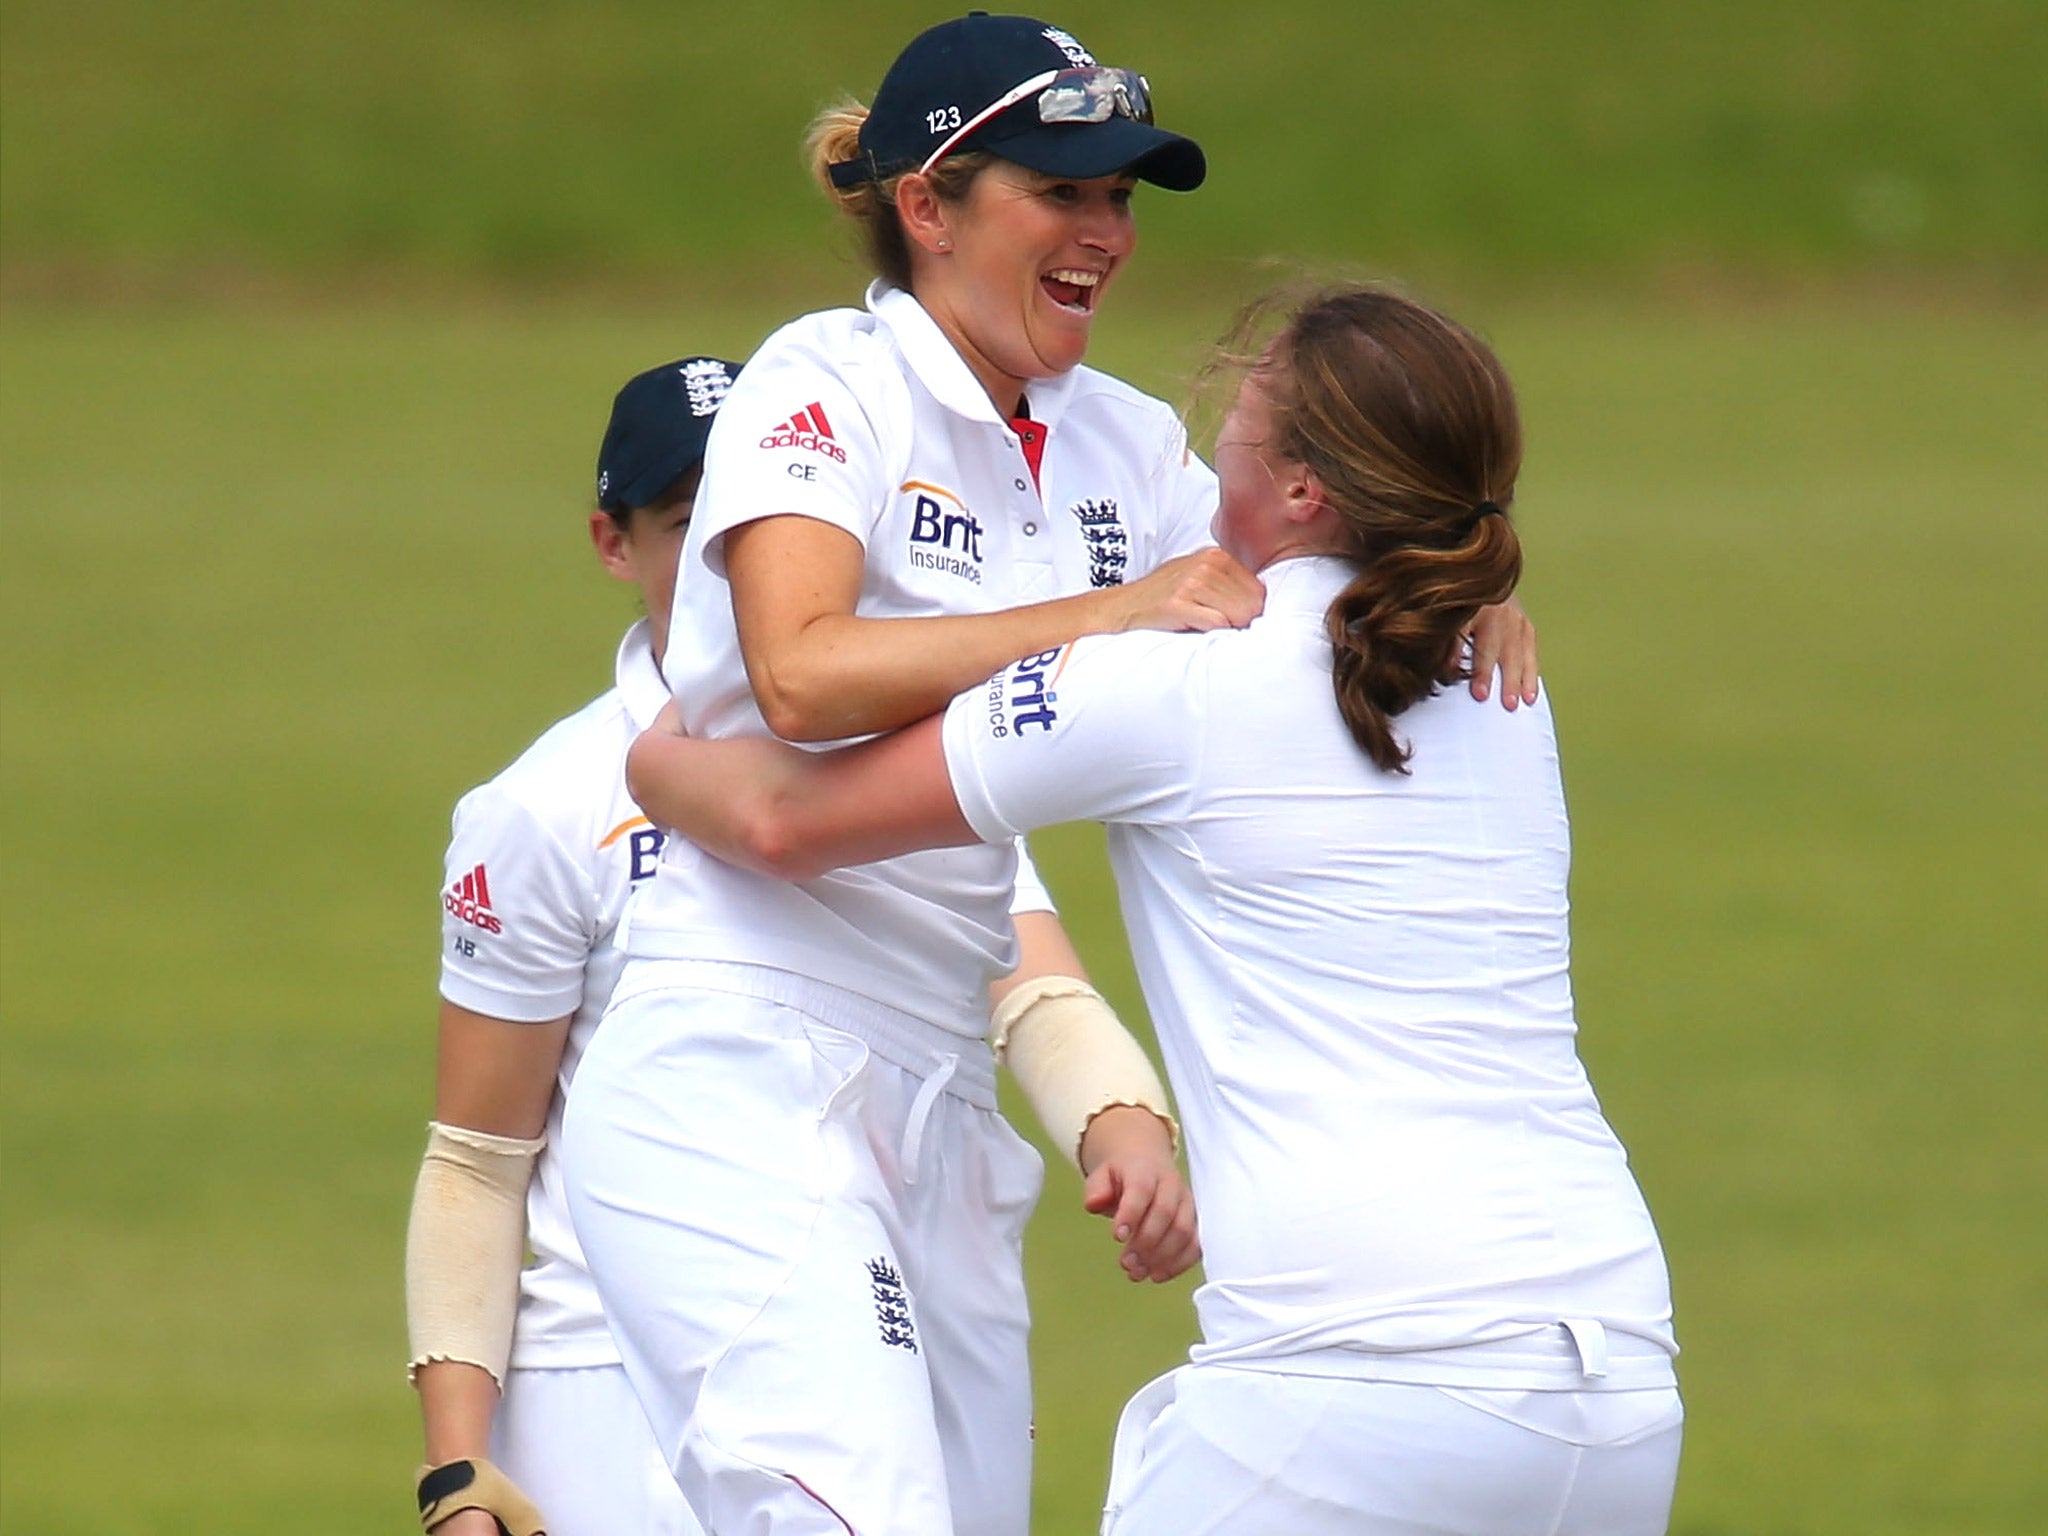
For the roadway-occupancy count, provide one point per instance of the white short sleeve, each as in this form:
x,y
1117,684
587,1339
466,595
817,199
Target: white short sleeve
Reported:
x,y
1100,730
518,914
792,437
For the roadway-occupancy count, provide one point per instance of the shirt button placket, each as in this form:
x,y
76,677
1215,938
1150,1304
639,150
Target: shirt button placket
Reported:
x,y
1035,571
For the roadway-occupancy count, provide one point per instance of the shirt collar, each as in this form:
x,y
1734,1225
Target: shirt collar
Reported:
x,y
945,374
1306,582
640,682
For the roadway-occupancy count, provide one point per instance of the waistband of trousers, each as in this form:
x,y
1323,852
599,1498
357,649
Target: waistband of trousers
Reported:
x,y
904,1040
1576,1353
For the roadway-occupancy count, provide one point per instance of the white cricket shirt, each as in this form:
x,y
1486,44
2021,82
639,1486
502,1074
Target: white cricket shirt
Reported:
x,y
1360,984
541,864
870,421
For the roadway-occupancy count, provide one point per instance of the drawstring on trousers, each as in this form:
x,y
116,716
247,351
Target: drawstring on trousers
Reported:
x,y
920,1112
1590,1340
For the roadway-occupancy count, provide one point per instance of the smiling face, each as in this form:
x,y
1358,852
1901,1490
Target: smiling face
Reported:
x,y
1014,272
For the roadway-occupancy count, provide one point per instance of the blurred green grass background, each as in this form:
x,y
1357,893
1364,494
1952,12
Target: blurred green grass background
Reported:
x,y
310,322
1475,136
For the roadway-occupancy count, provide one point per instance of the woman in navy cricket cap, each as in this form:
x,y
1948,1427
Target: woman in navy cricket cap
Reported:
x,y
785,1163
539,869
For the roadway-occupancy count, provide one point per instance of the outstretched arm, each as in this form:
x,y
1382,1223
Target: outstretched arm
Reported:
x,y
779,810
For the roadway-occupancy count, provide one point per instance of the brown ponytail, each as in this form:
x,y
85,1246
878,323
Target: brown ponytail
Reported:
x,y
1409,422
834,137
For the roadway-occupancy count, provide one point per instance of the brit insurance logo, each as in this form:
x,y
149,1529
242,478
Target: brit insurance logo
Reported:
x,y
642,840
1021,696
809,430
1109,547
944,535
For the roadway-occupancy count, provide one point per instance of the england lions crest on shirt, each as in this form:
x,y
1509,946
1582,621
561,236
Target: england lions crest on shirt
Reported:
x,y
1109,547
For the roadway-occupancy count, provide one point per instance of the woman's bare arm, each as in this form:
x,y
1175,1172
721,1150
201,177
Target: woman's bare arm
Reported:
x,y
497,1077
494,1075
821,672
779,810
1127,1161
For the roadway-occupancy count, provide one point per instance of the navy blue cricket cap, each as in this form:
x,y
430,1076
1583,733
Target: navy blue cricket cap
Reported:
x,y
660,423
938,96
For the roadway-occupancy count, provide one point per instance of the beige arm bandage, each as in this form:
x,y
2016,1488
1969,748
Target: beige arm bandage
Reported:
x,y
1073,1058
465,1246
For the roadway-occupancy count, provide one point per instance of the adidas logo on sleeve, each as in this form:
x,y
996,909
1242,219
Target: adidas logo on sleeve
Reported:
x,y
809,430
469,899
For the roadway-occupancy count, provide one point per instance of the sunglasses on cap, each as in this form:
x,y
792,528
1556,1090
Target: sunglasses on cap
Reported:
x,y
1092,95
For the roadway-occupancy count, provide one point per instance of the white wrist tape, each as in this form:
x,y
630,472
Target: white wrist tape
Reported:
x,y
465,1246
1073,1058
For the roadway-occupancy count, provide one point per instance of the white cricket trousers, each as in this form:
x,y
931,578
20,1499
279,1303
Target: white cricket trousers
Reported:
x,y
1223,1449
575,1439
805,1218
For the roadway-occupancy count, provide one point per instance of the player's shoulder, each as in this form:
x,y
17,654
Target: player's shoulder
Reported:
x,y
1141,428
824,341
1450,731
1140,666
1454,702
1108,696
1180,676
567,773
841,356
1107,392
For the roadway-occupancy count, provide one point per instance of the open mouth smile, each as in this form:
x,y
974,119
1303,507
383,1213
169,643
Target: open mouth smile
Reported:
x,y
1072,288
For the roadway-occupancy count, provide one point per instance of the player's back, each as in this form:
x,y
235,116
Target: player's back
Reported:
x,y
1361,982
